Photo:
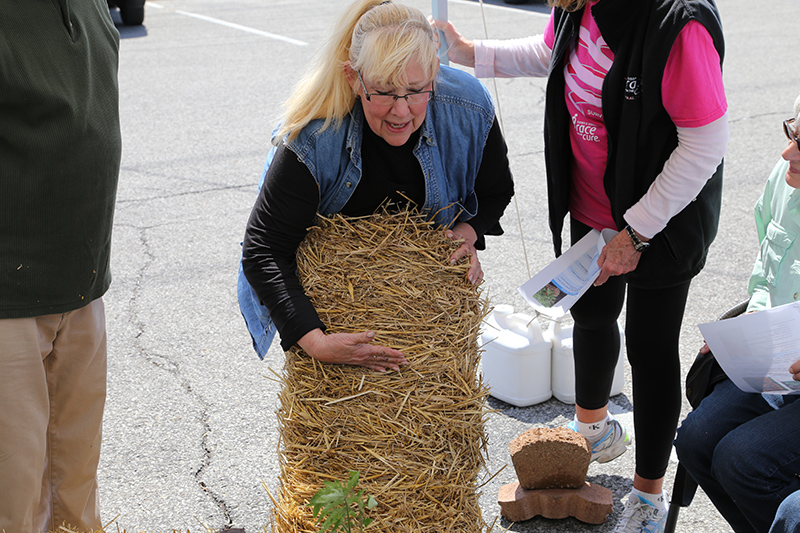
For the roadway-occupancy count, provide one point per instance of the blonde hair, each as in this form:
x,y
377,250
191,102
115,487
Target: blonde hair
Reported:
x,y
380,39
568,5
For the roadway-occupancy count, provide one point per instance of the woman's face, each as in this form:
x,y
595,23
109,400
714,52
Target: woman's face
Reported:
x,y
396,122
792,155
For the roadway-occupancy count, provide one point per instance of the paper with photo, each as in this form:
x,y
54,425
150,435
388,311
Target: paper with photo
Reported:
x,y
756,350
561,283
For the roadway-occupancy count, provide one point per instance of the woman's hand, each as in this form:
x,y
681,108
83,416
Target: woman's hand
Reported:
x,y
460,50
617,257
464,231
795,370
351,349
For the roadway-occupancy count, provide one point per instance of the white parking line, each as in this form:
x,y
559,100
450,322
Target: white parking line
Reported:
x,y
234,26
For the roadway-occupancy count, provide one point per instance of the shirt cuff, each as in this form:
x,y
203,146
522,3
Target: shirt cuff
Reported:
x,y
759,300
484,60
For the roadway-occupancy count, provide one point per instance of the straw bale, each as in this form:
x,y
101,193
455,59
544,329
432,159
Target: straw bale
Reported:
x,y
416,436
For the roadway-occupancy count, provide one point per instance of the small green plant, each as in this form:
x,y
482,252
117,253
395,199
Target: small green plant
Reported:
x,y
338,506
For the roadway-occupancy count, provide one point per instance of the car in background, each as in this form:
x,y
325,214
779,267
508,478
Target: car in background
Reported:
x,y
131,11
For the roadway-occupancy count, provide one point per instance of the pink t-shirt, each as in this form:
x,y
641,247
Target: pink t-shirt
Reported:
x,y
692,69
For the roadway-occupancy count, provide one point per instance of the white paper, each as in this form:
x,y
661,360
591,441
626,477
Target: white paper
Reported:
x,y
561,283
756,350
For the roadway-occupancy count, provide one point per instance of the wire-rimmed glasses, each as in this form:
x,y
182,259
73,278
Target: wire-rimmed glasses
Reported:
x,y
382,99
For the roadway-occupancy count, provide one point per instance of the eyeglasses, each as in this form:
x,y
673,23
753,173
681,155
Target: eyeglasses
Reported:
x,y
419,97
788,129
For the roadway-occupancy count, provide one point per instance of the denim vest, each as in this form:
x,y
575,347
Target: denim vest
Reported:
x,y
450,150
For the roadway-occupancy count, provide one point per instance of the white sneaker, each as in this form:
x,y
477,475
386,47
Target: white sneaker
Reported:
x,y
640,516
614,443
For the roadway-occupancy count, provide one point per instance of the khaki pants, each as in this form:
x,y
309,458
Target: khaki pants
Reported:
x,y
52,395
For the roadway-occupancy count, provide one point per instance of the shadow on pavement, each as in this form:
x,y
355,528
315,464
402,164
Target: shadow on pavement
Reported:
x,y
546,413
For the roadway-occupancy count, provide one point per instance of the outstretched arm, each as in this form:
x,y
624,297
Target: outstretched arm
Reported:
x,y
351,349
286,207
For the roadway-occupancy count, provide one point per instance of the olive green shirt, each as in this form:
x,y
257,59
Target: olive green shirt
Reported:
x,y
60,150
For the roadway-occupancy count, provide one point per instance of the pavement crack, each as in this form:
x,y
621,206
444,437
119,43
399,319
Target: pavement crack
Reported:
x,y
166,363
206,462
166,196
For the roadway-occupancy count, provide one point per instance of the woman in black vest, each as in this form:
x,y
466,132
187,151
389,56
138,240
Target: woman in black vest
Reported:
x,y
626,149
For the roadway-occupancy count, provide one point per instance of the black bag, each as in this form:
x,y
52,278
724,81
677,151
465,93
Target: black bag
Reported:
x,y
703,376
705,372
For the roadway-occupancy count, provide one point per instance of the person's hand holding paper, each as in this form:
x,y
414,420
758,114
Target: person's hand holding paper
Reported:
x,y
617,257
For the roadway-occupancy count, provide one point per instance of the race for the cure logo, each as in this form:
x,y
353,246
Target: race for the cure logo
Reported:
x,y
632,87
585,130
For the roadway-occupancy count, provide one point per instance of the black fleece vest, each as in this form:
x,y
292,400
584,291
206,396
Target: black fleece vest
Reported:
x,y
59,154
641,135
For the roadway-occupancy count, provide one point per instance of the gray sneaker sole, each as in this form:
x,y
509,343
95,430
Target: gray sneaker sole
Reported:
x,y
612,453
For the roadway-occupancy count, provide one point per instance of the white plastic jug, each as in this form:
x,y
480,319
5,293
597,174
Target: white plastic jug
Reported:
x,y
516,359
563,365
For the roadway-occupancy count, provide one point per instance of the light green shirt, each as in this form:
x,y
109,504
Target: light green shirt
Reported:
x,y
776,275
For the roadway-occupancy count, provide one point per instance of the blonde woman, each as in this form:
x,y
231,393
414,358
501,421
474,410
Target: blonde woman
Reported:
x,y
635,129
374,118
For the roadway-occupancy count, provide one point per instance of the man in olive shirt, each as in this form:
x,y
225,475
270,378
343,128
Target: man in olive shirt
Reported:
x,y
59,164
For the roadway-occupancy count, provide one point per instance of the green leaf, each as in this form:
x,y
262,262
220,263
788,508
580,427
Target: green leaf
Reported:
x,y
322,498
334,520
332,505
353,481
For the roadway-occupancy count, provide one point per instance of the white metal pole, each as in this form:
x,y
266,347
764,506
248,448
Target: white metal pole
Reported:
x,y
440,13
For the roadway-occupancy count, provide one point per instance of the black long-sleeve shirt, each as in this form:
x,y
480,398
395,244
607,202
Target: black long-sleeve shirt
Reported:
x,y
289,199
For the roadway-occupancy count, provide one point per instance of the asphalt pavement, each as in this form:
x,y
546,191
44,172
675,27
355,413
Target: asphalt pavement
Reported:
x,y
190,435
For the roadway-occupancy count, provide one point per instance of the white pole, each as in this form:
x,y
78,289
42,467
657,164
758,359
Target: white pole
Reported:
x,y
440,13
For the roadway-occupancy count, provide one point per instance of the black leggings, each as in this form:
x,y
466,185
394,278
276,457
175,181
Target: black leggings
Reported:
x,y
652,331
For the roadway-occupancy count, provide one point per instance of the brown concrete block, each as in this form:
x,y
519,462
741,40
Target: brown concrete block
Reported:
x,y
551,458
590,503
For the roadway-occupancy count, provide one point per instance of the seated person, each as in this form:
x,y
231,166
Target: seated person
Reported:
x,y
742,448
